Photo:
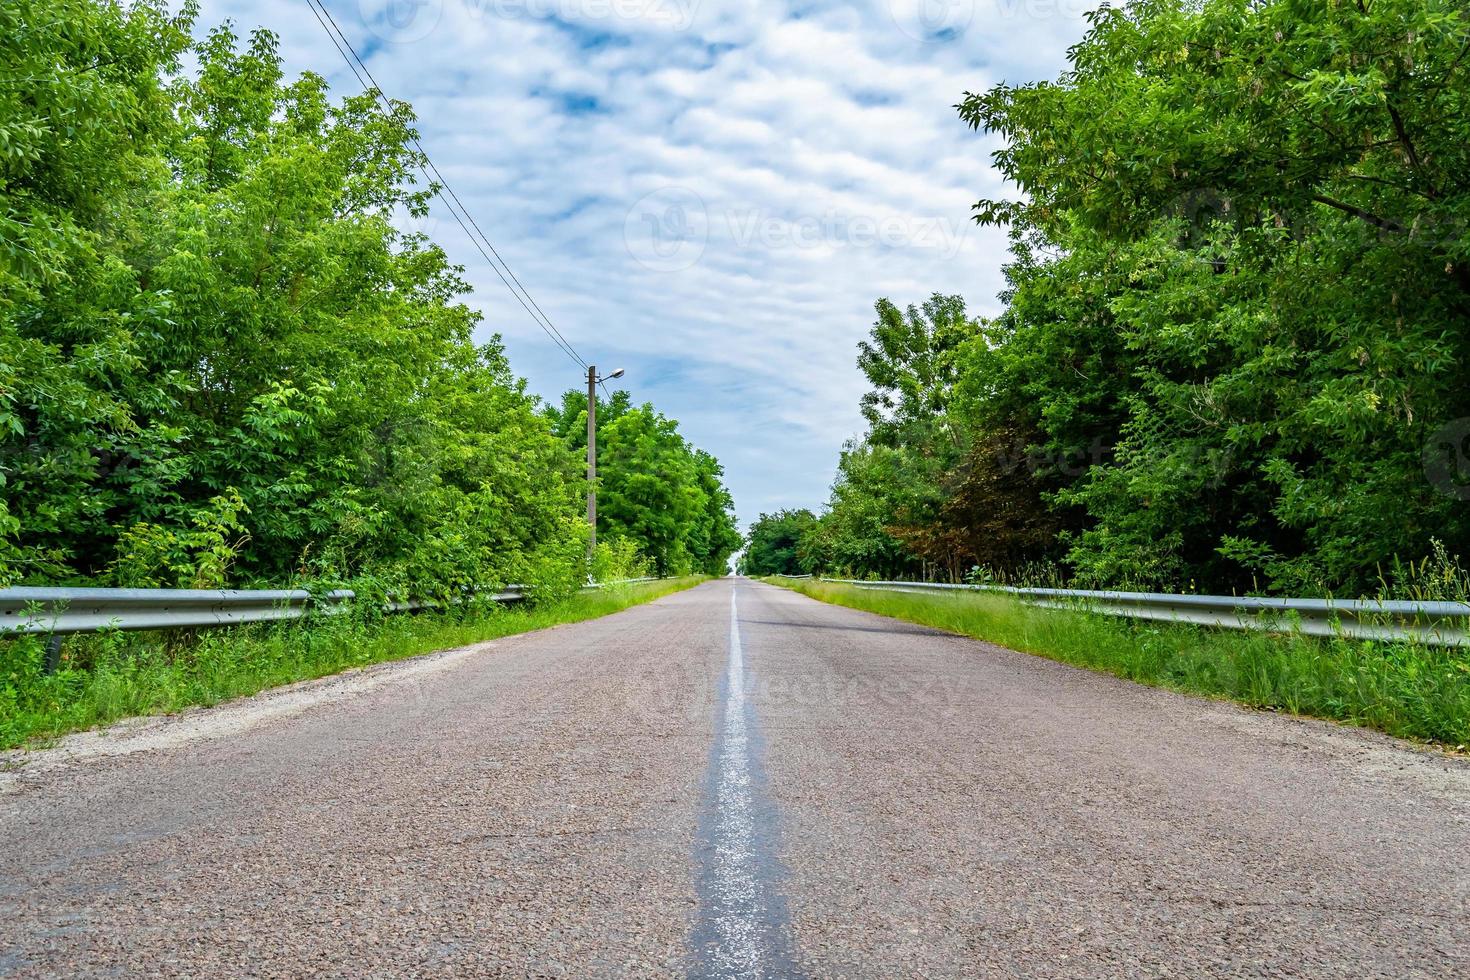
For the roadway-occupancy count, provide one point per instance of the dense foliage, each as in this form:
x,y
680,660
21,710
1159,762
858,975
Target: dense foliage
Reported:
x,y
776,544
222,361
1407,689
653,487
1233,351
108,676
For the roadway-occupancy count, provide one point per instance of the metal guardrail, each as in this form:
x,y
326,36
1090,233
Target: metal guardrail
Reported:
x,y
49,611
65,611
61,612
1432,623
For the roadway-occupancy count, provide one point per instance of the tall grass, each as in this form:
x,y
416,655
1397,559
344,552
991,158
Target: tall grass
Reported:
x,y
106,677
1404,689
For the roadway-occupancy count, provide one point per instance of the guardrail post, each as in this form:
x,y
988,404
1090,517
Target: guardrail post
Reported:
x,y
53,653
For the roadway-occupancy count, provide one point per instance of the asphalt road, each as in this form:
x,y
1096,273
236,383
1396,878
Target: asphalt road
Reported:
x,y
734,781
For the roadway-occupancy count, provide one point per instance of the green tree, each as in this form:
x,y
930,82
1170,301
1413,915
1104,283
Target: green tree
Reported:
x,y
715,536
654,488
1285,260
219,359
855,534
774,544
909,361
892,507
83,117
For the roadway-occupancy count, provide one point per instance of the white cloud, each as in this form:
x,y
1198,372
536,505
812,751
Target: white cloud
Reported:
x,y
821,142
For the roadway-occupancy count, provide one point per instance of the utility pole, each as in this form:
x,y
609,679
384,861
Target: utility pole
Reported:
x,y
592,382
591,461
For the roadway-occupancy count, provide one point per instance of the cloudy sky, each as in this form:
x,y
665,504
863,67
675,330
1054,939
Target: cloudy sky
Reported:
x,y
710,194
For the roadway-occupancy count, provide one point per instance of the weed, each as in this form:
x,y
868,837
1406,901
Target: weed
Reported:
x,y
1405,689
108,676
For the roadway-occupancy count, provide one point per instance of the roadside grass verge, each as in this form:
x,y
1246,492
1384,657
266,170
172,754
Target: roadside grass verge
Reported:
x,y
107,677
1405,689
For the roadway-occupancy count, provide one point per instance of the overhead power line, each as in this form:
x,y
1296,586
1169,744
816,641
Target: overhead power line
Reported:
x,y
452,202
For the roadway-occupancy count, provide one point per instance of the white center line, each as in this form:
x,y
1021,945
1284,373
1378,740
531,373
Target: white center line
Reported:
x,y
741,927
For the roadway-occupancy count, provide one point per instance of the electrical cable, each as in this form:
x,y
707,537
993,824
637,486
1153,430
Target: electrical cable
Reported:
x,y
370,84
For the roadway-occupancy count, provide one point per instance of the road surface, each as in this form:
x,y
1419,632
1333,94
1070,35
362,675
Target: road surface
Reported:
x,y
735,781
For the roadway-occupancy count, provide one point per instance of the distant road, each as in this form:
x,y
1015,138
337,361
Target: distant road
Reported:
x,y
735,781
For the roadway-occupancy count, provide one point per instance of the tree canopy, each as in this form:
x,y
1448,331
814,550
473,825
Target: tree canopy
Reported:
x,y
775,544
1233,346
654,488
223,361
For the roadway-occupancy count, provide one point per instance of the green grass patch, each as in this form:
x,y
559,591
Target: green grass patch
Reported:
x,y
1404,689
107,677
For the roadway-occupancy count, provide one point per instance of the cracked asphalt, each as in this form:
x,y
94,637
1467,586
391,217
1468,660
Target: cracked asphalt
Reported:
x,y
916,804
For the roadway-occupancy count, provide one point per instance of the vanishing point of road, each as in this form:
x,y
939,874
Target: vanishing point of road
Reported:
x,y
734,781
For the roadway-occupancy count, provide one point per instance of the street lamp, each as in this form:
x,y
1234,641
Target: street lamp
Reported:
x,y
593,380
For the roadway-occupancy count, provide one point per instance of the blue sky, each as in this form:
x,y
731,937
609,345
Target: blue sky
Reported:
x,y
711,195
